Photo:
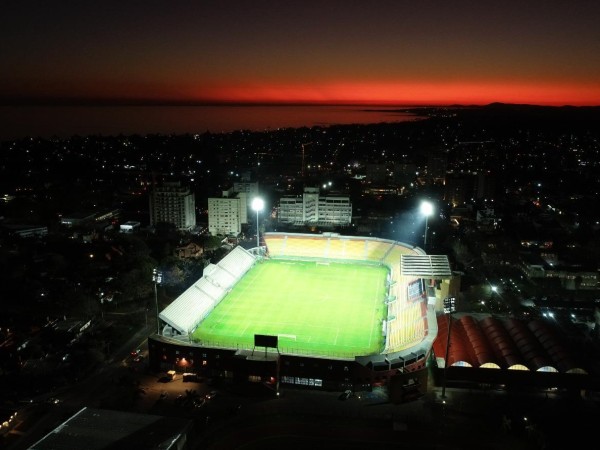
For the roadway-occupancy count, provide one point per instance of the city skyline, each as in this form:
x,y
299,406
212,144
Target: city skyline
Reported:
x,y
383,53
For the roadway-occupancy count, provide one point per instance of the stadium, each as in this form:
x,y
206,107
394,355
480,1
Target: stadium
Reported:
x,y
322,311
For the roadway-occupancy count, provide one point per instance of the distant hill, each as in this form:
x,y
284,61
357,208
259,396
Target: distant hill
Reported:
x,y
535,110
523,115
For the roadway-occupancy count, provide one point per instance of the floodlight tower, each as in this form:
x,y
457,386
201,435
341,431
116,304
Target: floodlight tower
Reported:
x,y
257,205
449,308
426,210
157,279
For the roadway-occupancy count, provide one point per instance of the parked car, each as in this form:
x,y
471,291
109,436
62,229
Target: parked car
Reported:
x,y
189,376
211,395
345,395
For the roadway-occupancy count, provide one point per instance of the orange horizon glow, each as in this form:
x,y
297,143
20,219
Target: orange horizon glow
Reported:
x,y
346,53
407,93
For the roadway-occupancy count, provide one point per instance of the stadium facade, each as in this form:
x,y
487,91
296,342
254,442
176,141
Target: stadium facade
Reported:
x,y
409,328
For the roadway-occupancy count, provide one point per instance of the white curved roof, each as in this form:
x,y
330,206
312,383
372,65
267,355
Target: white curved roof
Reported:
x,y
188,310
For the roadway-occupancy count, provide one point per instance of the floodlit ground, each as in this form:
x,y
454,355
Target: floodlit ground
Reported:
x,y
326,309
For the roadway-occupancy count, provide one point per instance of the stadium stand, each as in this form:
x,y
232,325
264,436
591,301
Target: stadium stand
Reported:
x,y
304,246
219,276
377,249
336,248
237,262
210,289
317,246
185,313
407,328
276,245
392,260
356,249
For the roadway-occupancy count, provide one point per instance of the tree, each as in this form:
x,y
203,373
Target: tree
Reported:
x,y
136,283
212,243
181,273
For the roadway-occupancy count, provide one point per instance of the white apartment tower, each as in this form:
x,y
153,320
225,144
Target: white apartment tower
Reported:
x,y
224,216
228,213
172,203
312,208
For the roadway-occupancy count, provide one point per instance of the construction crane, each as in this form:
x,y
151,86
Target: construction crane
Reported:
x,y
303,145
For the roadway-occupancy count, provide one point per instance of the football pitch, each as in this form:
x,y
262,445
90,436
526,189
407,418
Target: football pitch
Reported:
x,y
321,309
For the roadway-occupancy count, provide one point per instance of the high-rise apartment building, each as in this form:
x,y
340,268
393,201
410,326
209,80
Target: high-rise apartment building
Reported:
x,y
228,213
172,203
225,215
312,208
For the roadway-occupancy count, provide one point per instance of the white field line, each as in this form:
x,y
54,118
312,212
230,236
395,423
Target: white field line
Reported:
x,y
252,285
287,336
244,331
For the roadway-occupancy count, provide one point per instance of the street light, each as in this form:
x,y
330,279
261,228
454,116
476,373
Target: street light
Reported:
x,y
257,205
426,210
157,278
449,308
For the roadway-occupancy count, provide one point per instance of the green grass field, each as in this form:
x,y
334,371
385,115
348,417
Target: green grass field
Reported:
x,y
330,310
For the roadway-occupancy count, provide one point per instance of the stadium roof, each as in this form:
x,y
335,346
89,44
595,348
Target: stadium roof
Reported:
x,y
505,344
187,310
425,266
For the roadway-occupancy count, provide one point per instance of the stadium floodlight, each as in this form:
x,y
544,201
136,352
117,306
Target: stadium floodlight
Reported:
x,y
157,279
426,210
445,374
257,205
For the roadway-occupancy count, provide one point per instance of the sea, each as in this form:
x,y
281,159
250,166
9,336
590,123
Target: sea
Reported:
x,y
18,122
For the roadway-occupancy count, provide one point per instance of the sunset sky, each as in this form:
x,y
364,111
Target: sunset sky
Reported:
x,y
327,51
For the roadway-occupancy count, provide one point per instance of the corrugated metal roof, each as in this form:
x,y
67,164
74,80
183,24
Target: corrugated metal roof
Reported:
x,y
425,266
96,429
